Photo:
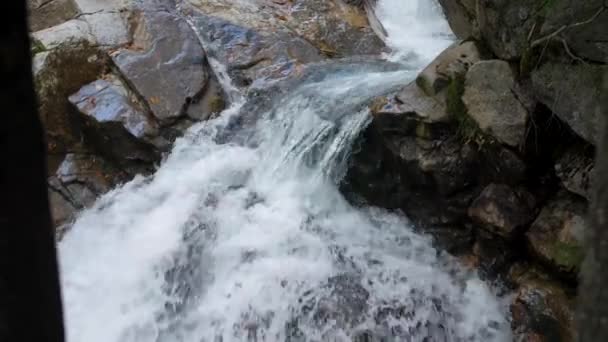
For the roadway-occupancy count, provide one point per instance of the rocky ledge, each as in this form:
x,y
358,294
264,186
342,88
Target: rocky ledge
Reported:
x,y
119,80
491,149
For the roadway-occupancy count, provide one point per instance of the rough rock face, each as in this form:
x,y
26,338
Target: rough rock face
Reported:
x,y
502,210
79,180
453,62
56,79
44,13
511,27
575,169
107,100
143,76
542,309
166,65
261,46
490,100
556,235
572,92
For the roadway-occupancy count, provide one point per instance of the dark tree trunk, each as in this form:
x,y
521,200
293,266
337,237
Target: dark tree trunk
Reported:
x,y
593,290
30,303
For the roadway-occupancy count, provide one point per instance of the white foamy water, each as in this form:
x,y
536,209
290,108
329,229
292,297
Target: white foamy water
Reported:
x,y
243,236
415,28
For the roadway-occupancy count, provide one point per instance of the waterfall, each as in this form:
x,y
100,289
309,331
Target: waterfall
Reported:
x,y
245,236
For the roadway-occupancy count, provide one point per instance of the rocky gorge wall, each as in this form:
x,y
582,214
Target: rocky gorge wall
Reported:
x,y
119,80
491,149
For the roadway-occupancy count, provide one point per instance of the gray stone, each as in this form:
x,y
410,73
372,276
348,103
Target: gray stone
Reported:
x,y
573,93
541,309
453,61
575,169
490,100
251,55
556,236
502,210
165,64
332,27
109,29
107,20
107,100
92,6
69,33
461,15
509,28
47,13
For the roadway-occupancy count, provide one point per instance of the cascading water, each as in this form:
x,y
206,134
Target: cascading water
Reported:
x,y
242,235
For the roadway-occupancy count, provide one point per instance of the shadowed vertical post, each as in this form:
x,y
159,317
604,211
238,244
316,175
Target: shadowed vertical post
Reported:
x,y
30,302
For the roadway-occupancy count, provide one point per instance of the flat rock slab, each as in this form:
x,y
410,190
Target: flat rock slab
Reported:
x,y
250,55
490,99
573,93
70,32
44,13
165,64
502,210
107,100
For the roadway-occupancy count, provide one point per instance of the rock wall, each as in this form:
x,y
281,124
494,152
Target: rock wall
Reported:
x,y
491,149
119,80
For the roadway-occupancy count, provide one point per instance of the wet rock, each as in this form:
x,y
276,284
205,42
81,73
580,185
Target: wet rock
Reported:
x,y
62,210
509,27
542,309
56,79
108,101
573,93
575,169
502,210
491,101
107,20
556,235
166,65
72,32
412,101
332,27
461,17
79,180
493,257
46,13
250,55
452,62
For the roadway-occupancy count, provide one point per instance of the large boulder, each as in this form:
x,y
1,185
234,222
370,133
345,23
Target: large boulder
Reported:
x,y
265,40
556,236
573,93
489,97
166,65
69,33
79,180
107,19
56,79
542,309
575,169
113,111
510,27
502,210
47,13
453,62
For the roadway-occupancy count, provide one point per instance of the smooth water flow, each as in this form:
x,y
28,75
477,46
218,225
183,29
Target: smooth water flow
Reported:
x,y
245,237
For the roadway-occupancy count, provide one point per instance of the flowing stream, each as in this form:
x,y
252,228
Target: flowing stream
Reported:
x,y
242,234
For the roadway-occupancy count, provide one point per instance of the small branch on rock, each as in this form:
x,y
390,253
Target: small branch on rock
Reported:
x,y
569,52
557,32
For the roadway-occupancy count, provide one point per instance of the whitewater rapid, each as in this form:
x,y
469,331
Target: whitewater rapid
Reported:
x,y
242,234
